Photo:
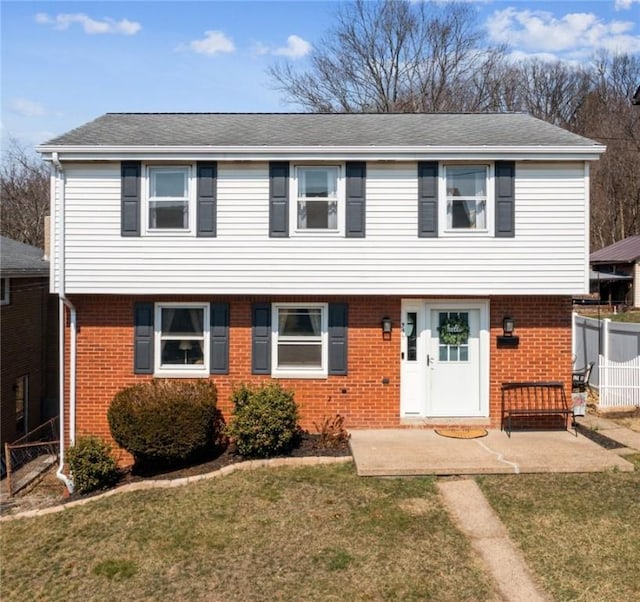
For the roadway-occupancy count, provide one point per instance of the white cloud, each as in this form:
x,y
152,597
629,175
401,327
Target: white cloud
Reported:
x,y
625,4
576,33
296,47
62,22
213,42
26,107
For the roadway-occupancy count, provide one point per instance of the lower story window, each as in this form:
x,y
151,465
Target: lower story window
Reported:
x,y
21,388
300,340
4,291
182,335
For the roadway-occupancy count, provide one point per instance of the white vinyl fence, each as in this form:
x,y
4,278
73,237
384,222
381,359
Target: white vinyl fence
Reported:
x,y
619,382
614,348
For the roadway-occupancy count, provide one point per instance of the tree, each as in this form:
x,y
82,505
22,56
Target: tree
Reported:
x,y
396,55
607,115
24,195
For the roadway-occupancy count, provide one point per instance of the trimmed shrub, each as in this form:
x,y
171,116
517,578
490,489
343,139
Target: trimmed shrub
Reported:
x,y
264,421
165,421
92,465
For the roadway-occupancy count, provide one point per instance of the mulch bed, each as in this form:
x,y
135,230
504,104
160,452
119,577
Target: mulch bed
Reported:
x,y
308,445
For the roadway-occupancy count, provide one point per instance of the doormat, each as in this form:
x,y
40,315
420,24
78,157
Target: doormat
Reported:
x,y
470,433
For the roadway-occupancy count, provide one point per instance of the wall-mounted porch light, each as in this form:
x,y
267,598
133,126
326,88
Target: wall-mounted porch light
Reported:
x,y
387,327
508,339
508,325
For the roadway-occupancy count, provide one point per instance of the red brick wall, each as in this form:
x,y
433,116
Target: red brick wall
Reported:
x,y
105,357
26,349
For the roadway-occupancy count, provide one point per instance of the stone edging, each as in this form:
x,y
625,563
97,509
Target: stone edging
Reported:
x,y
168,483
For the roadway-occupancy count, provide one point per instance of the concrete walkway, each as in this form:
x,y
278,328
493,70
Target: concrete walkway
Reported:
x,y
611,429
413,452
403,452
471,512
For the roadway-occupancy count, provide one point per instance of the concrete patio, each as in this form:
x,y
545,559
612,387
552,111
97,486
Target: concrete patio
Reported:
x,y
414,452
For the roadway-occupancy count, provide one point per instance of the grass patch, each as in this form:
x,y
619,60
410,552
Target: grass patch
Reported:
x,y
316,533
115,569
578,532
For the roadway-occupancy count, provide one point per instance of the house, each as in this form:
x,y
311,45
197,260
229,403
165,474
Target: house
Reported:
x,y
617,272
28,325
393,268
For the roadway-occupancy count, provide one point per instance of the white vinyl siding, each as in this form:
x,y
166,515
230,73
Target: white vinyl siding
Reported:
x,y
547,255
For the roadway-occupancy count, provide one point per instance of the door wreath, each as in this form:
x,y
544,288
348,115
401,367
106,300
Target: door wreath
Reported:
x,y
454,331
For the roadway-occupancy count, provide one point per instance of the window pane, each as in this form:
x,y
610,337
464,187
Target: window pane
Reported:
x,y
444,353
464,353
322,215
169,214
166,183
314,182
182,352
297,322
182,321
466,181
466,214
303,356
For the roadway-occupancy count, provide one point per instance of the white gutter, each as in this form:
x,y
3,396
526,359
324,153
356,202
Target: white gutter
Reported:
x,y
300,153
63,301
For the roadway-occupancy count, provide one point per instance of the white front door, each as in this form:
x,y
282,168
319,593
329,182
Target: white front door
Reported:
x,y
445,359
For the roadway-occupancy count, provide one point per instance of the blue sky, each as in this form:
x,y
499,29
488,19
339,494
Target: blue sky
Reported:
x,y
65,63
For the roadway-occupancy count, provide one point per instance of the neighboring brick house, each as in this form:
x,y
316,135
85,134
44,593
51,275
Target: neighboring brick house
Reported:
x,y
617,272
29,329
369,262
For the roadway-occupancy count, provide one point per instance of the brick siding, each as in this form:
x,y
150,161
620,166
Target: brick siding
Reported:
x,y
29,347
105,357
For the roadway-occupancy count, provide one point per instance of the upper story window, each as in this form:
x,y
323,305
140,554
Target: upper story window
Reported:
x,y
4,291
319,198
466,197
300,340
182,339
169,198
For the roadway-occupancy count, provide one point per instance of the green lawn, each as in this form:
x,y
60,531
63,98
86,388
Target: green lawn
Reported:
x,y
316,533
579,533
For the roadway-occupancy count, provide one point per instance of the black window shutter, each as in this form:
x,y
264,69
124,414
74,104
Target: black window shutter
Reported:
x,y
427,199
219,335
338,323
261,338
143,338
130,198
356,199
206,211
278,199
505,199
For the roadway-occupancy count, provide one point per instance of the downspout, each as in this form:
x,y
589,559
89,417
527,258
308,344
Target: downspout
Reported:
x,y
63,301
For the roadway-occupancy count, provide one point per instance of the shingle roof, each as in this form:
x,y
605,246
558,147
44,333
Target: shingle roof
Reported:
x,y
319,129
623,251
19,259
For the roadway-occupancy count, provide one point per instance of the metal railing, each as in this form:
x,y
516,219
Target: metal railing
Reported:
x,y
43,440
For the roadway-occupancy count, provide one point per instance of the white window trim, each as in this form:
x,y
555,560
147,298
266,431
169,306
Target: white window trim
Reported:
x,y
191,196
341,200
6,297
176,371
321,372
487,232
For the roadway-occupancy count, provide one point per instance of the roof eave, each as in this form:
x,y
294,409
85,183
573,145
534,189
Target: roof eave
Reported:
x,y
389,153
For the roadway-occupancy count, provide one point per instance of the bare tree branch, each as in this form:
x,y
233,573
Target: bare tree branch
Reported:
x,y
24,195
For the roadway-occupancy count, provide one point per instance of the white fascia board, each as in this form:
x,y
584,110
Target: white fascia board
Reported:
x,y
315,153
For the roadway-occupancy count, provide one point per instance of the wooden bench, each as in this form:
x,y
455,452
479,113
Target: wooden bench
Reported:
x,y
535,405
